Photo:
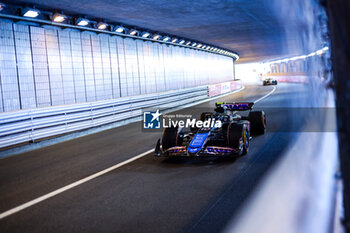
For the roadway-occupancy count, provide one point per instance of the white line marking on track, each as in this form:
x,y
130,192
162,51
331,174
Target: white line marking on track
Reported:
x,y
70,186
273,90
86,179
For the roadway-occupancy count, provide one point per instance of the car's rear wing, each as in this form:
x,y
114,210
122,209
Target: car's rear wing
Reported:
x,y
239,106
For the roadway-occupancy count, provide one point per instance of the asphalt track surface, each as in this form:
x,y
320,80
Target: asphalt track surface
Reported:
x,y
149,194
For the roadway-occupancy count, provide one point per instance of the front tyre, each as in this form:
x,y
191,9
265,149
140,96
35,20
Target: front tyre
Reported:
x,y
169,138
257,122
238,138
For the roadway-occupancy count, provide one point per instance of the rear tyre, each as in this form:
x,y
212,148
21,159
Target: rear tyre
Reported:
x,y
257,122
169,138
238,138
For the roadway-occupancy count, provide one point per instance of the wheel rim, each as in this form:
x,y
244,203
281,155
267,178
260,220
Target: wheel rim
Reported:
x,y
264,120
246,139
241,145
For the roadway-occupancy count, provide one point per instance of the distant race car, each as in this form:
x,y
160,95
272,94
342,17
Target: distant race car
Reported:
x,y
231,139
269,81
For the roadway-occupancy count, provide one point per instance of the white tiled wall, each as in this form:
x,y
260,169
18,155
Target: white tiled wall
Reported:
x,y
8,72
24,66
113,51
88,66
122,67
141,66
132,69
65,49
106,66
78,66
149,68
46,66
97,67
40,65
54,66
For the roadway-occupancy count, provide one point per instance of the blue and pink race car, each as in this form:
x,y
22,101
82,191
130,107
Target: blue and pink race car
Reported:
x,y
230,138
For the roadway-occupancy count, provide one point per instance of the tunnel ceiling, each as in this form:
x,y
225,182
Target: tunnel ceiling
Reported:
x,y
251,28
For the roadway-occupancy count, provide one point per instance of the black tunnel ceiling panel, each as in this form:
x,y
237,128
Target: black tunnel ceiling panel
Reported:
x,y
251,28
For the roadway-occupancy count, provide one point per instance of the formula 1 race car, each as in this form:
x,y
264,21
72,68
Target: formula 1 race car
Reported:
x,y
269,81
228,139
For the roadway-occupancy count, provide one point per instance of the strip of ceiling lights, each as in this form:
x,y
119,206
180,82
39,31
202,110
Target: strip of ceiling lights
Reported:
x,y
32,14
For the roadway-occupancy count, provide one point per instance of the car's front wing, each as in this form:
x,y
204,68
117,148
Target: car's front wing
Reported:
x,y
209,151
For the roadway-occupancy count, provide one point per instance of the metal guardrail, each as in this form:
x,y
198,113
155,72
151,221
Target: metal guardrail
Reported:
x,y
34,124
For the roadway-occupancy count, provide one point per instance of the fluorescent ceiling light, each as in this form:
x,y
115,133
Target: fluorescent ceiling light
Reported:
x,y
194,44
133,32
181,41
156,37
174,40
145,34
29,12
2,6
188,42
204,46
199,45
102,26
58,18
119,29
82,22
166,38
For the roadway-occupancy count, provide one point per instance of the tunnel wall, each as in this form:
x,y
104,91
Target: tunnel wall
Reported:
x,y
299,192
44,66
315,67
